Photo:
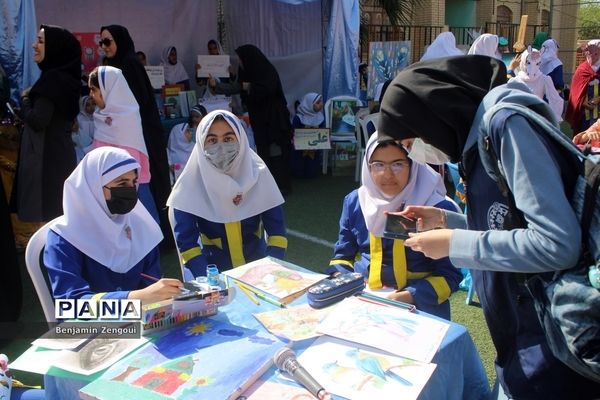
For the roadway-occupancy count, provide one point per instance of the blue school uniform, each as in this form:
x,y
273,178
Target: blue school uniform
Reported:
x,y
231,244
430,282
73,275
305,163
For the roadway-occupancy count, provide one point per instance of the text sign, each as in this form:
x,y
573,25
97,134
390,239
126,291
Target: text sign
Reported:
x,y
312,139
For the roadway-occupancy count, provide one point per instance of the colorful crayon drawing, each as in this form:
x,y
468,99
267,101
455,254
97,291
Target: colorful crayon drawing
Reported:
x,y
388,328
295,323
386,59
355,372
201,358
283,281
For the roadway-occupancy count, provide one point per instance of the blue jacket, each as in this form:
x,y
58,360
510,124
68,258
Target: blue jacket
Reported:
x,y
229,245
430,282
73,275
501,256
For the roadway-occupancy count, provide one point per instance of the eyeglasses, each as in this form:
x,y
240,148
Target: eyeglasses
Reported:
x,y
106,42
378,167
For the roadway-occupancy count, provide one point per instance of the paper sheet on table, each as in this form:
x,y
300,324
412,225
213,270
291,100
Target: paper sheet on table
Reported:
x,y
294,323
358,372
388,328
96,355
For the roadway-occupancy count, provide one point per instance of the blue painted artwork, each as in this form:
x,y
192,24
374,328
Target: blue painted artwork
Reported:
x,y
386,59
201,358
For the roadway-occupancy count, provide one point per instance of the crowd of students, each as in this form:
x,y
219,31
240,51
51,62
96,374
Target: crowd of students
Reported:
x,y
227,198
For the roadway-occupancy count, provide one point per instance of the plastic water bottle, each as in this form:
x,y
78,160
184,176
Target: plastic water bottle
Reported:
x,y
212,273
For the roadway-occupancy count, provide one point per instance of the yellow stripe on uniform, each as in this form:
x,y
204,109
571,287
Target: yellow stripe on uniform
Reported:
x,y
233,231
440,285
187,255
206,241
277,241
343,262
399,263
376,250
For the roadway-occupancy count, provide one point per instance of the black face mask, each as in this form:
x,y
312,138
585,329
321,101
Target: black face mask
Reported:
x,y
122,199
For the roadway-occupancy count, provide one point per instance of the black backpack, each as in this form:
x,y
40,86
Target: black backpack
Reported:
x,y
567,304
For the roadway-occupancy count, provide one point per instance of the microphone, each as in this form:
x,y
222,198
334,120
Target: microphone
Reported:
x,y
285,360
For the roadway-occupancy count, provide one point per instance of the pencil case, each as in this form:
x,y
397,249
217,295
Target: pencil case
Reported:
x,y
330,291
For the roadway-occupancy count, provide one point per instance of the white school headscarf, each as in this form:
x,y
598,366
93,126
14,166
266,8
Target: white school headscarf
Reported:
x,y
173,73
485,45
550,59
306,113
209,193
178,148
443,46
118,242
424,188
119,121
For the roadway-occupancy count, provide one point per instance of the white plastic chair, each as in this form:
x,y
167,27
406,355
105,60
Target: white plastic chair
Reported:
x,y
349,138
37,270
365,122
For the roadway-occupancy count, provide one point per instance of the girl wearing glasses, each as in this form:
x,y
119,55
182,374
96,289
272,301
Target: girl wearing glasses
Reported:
x,y
391,180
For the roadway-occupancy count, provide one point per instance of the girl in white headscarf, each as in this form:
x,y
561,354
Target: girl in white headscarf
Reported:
x,y
181,141
541,85
444,45
307,163
551,64
390,180
117,123
226,196
106,239
84,135
486,45
174,70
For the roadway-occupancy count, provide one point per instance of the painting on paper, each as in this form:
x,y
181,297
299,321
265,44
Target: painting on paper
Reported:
x,y
384,327
386,59
295,323
358,372
201,358
279,279
342,117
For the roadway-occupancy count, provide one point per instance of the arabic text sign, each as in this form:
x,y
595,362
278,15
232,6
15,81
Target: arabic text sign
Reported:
x,y
311,139
216,66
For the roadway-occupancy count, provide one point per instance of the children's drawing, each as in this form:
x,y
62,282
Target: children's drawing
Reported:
x,y
388,328
275,277
342,117
201,358
356,372
295,323
386,59
96,355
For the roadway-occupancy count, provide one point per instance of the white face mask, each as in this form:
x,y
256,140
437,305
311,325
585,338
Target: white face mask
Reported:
x,y
425,153
221,155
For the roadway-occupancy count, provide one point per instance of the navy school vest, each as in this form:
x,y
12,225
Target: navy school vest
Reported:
x,y
524,362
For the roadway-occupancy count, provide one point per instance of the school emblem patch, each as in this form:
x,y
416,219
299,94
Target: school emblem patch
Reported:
x,y
496,216
237,199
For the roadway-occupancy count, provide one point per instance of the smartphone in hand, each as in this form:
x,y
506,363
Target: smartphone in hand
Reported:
x,y
398,227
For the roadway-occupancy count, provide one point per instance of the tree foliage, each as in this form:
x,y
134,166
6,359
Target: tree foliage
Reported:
x,y
589,22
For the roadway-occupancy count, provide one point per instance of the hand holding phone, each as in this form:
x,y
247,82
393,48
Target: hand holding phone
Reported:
x,y
398,227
